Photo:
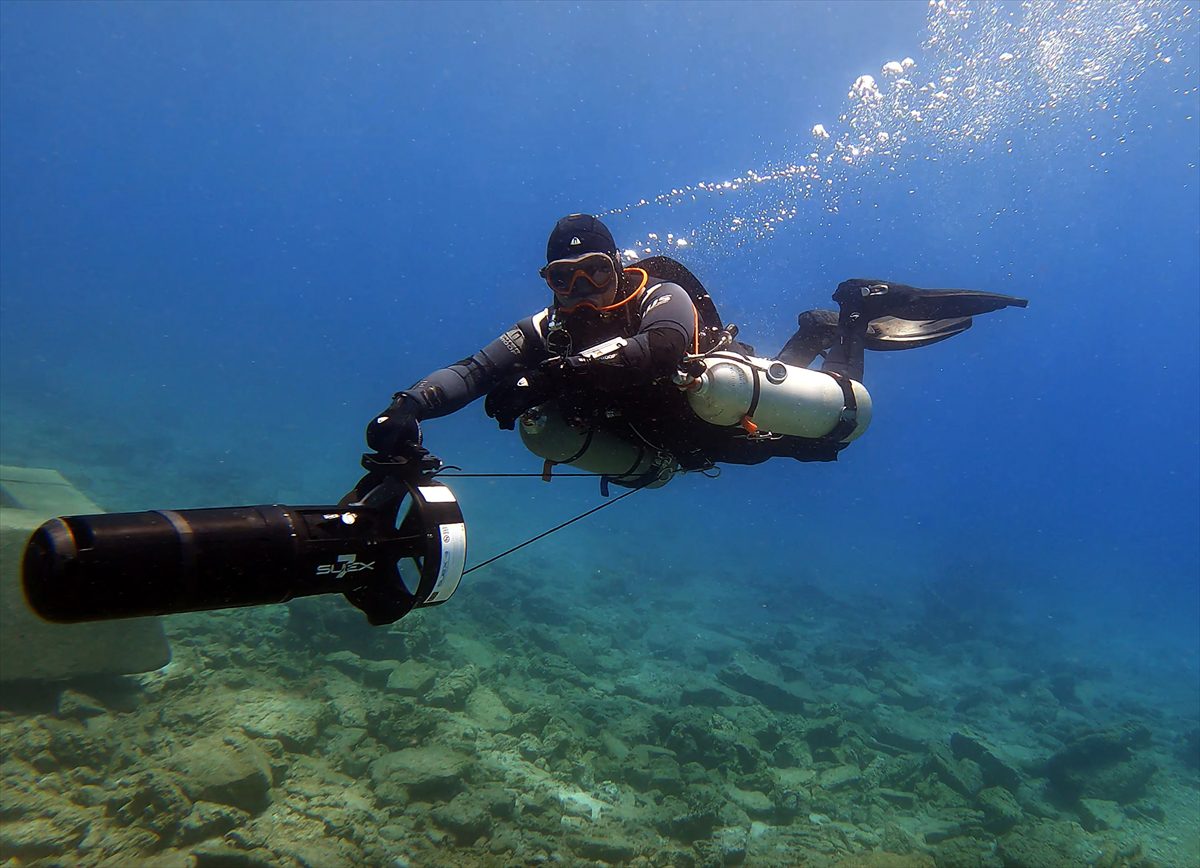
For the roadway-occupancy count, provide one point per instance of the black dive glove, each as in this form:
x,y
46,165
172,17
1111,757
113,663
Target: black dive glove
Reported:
x,y
395,431
506,403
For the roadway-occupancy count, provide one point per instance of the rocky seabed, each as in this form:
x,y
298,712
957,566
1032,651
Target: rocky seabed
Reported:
x,y
503,729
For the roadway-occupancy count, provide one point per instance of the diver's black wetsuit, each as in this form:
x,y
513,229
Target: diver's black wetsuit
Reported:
x,y
629,392
659,327
630,387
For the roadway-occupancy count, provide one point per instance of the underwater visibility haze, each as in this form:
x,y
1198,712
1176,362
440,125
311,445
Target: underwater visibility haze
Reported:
x,y
230,231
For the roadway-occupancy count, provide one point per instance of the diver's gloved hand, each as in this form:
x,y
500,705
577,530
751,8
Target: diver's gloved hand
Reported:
x,y
395,431
505,404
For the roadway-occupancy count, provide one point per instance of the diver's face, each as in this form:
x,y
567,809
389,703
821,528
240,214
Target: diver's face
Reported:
x,y
584,281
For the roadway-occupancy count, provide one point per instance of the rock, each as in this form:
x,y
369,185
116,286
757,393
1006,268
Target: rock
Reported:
x,y
966,853
793,778
1095,815
758,681
40,838
895,839
839,777
349,704
370,673
613,746
604,848
855,695
229,770
1103,765
291,720
950,824
350,748
488,710
906,694
217,854
636,686
706,695
152,800
1146,810
465,817
1099,747
730,845
429,773
80,706
210,820
997,772
653,768
824,733
1047,844
693,823
451,690
75,745
964,776
899,798
411,678
1000,809
900,733
756,804
576,804
559,740
884,859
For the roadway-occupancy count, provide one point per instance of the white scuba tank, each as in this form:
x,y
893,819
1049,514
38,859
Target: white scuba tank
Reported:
x,y
790,400
549,435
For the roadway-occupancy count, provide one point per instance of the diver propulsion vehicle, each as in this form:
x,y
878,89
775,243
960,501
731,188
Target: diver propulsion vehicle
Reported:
x,y
395,543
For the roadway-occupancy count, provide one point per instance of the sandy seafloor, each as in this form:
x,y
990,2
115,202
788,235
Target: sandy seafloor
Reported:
x,y
580,704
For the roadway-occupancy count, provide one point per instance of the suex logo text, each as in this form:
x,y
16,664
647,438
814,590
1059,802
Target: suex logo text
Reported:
x,y
345,565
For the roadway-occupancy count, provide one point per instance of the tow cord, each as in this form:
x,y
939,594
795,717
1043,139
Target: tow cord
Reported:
x,y
544,533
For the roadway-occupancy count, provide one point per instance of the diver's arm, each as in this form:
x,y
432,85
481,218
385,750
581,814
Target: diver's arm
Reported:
x,y
452,388
667,334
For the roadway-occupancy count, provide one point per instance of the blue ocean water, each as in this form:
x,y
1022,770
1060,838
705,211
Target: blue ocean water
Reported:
x,y
230,231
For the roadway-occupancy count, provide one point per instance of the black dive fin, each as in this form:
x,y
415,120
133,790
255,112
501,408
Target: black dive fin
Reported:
x,y
893,333
863,303
881,298
818,331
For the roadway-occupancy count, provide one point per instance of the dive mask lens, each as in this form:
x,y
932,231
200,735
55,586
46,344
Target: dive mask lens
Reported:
x,y
583,276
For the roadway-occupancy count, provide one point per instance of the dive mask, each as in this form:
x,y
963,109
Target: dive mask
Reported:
x,y
582,277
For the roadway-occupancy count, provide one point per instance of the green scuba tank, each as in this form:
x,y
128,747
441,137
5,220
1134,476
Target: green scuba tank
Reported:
x,y
548,434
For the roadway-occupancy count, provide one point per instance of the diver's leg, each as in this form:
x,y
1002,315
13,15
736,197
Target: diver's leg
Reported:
x,y
846,356
817,332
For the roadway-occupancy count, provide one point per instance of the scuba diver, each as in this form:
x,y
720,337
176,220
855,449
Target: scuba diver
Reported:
x,y
631,374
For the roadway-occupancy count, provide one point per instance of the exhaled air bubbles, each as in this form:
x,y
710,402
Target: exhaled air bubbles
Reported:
x,y
990,73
